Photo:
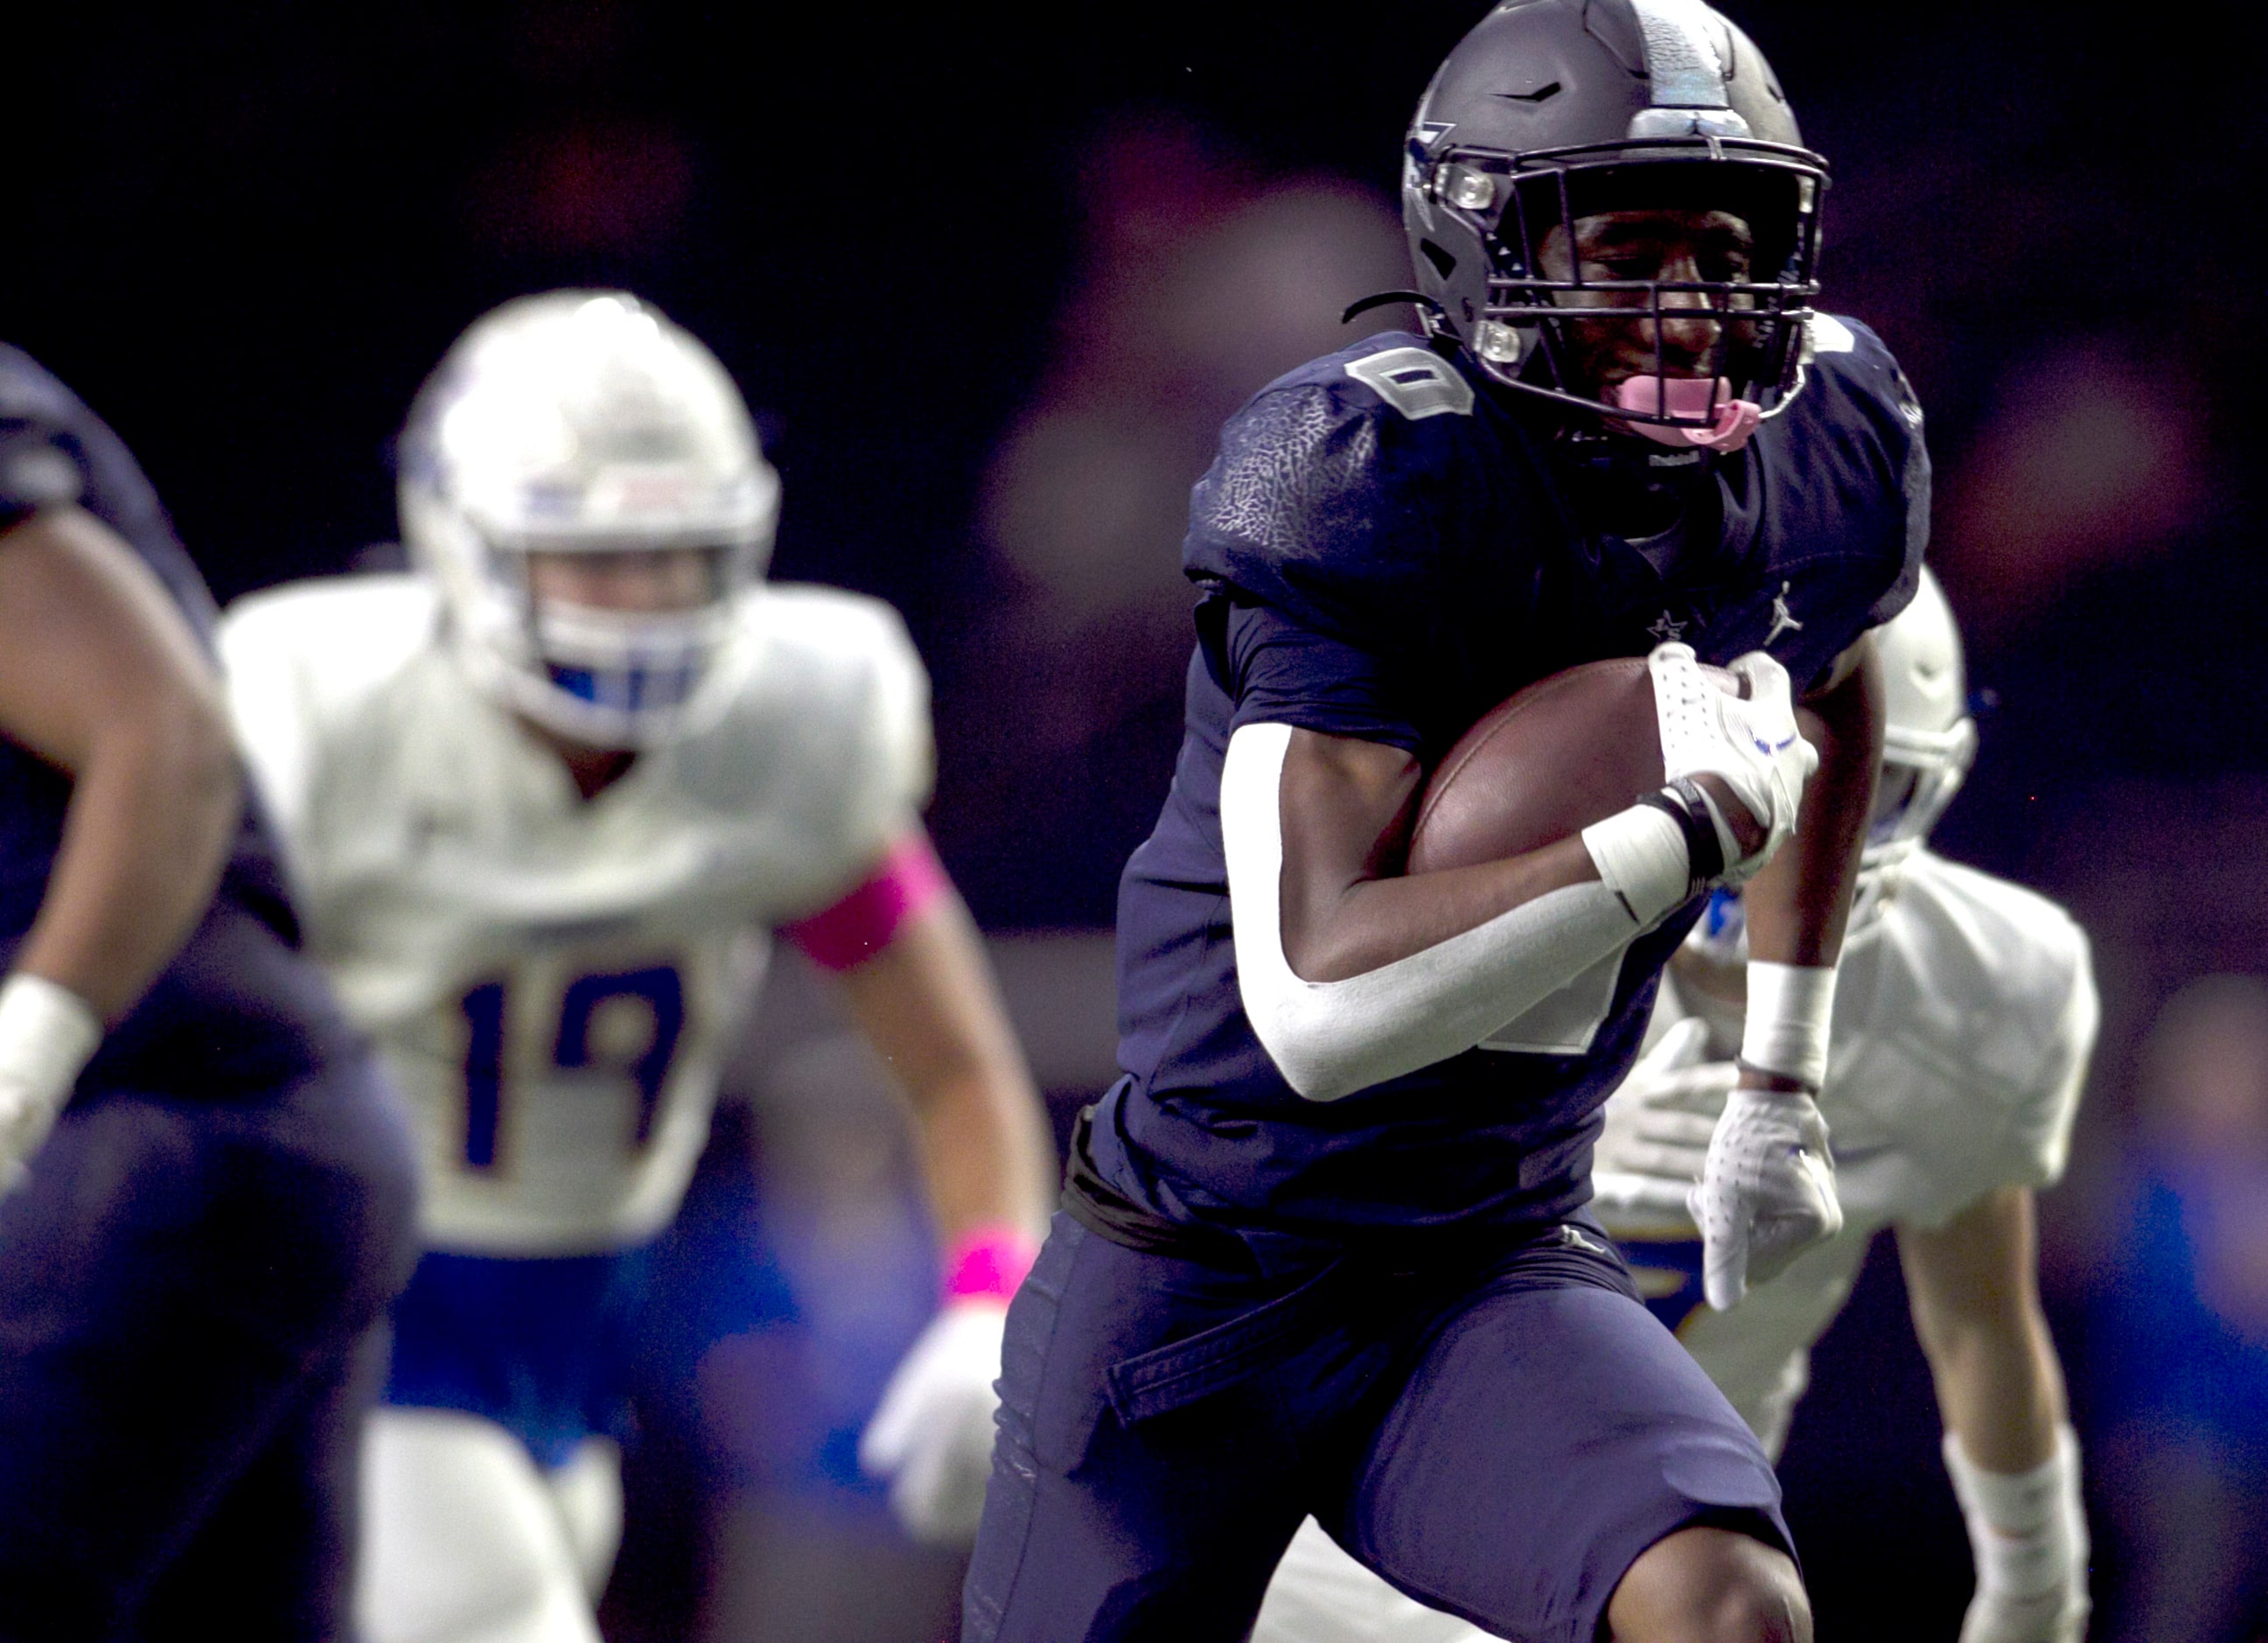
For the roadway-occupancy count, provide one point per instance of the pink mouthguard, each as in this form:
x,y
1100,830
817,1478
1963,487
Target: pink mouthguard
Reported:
x,y
1733,420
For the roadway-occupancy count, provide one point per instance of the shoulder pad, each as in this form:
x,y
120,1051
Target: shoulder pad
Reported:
x,y
1295,452
1345,492
1848,350
346,631
1831,335
1415,382
837,644
831,706
1319,462
1981,938
310,670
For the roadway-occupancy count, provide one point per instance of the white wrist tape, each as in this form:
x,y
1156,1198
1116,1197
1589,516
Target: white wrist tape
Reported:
x,y
47,1034
1641,857
1329,1039
1790,1009
2026,1530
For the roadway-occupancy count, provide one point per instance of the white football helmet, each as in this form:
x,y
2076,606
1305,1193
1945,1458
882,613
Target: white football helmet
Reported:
x,y
1928,740
1928,744
584,422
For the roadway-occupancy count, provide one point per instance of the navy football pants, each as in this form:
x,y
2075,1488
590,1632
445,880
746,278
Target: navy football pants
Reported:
x,y
192,1302
1501,1440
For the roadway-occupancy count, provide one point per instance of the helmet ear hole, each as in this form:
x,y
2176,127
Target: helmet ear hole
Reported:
x,y
1444,264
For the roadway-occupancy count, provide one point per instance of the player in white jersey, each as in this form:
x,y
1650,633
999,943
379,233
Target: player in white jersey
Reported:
x,y
1965,1011
546,798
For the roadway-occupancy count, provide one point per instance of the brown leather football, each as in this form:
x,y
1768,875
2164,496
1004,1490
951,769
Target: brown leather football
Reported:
x,y
1567,751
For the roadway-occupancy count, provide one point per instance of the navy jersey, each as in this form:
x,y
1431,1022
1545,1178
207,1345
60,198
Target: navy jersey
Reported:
x,y
235,1008
1385,550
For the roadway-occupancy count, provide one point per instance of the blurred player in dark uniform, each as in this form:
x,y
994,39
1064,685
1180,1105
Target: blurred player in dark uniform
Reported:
x,y
207,1197
1325,1247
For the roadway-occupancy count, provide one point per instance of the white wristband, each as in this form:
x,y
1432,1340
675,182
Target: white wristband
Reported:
x,y
1641,857
47,1034
1791,1008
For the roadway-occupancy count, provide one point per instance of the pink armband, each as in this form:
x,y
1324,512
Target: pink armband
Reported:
x,y
988,1264
862,923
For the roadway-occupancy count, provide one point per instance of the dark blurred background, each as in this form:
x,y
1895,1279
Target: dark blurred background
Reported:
x,y
992,284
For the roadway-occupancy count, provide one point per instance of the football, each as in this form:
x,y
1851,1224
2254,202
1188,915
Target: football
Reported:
x,y
1568,750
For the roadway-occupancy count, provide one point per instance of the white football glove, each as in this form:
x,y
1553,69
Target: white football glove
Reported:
x,y
1751,742
931,1435
1766,1194
1657,1126
47,1035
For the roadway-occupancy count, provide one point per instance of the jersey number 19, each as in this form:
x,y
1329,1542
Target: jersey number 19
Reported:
x,y
486,1012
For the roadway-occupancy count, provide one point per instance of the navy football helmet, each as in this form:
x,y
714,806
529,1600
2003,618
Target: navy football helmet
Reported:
x,y
1550,111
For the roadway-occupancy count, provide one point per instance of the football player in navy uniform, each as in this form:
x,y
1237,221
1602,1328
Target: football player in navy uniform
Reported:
x,y
1324,1246
208,1196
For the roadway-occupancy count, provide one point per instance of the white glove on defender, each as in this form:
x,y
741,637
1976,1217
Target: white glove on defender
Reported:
x,y
1767,1192
1657,1126
931,1435
1751,742
47,1034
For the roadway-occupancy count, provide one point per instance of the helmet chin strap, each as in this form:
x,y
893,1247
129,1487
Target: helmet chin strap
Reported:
x,y
1731,421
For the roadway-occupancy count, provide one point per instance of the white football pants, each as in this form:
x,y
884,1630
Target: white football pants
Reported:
x,y
464,1539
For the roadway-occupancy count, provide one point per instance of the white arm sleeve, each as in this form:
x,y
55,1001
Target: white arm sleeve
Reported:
x,y
1331,1038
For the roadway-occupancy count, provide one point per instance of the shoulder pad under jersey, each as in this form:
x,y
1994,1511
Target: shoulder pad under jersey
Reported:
x,y
1960,1063
307,666
826,726
2002,954
1857,390
1336,485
